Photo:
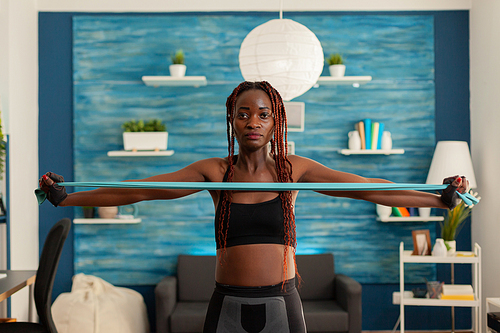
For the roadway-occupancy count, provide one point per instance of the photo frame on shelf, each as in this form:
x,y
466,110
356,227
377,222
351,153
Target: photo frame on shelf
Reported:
x,y
421,242
295,116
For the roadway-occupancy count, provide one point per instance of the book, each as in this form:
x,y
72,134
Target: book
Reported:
x,y
458,292
375,129
396,212
404,212
368,133
360,126
380,132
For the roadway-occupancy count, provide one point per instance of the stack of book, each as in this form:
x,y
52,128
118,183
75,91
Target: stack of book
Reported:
x,y
461,292
370,133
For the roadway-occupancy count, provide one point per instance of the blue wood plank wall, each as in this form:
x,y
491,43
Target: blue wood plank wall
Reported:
x,y
91,87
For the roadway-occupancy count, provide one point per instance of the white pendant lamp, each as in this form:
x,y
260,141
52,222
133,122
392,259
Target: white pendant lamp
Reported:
x,y
285,53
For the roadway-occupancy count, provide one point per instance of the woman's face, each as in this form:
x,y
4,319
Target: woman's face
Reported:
x,y
253,122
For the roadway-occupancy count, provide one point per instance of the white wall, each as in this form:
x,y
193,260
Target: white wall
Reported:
x,y
18,91
485,135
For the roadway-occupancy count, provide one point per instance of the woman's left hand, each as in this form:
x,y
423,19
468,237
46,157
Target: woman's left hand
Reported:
x,y
449,195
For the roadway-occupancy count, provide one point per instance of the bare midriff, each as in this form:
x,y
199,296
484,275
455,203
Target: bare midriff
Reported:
x,y
254,265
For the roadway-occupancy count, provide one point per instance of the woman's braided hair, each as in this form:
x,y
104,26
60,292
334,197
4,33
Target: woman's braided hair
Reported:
x,y
279,152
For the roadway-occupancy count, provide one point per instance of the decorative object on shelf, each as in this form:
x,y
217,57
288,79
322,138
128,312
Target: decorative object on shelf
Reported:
x,y
386,140
439,249
285,53
88,212
434,289
107,212
177,69
453,223
424,212
419,292
128,210
140,135
336,65
383,211
354,140
421,242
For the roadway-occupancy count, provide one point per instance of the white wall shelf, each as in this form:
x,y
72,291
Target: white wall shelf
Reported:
x,y
185,81
139,153
410,219
467,257
344,80
128,220
371,151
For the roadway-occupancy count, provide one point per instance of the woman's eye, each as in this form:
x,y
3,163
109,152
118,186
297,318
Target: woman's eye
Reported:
x,y
242,115
265,115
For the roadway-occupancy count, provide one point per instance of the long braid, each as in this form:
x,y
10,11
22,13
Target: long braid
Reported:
x,y
279,152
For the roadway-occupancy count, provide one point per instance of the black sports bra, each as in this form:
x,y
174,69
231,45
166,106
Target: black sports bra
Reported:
x,y
259,223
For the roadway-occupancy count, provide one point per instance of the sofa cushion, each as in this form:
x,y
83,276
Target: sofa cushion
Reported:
x,y
196,277
188,317
317,273
325,316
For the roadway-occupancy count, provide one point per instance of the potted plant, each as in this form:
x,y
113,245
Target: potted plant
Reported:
x,y
88,212
336,63
141,135
177,69
453,224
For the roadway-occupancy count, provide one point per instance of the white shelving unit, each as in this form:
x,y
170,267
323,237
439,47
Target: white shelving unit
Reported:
x,y
371,151
344,80
473,258
139,153
185,81
492,303
410,219
125,220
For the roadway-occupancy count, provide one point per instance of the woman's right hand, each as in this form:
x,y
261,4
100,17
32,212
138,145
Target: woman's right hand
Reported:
x,y
55,193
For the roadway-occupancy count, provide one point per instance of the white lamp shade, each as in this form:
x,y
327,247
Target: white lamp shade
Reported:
x,y
451,158
285,53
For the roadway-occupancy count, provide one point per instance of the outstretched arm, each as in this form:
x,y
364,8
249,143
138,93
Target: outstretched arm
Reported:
x,y
307,170
201,171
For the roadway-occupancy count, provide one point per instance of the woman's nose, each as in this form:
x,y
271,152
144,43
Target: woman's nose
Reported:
x,y
253,122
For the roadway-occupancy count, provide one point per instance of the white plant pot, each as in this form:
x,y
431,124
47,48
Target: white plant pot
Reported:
x,y
145,140
177,70
337,70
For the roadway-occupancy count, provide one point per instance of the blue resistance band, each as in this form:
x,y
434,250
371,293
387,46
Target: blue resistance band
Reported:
x,y
467,198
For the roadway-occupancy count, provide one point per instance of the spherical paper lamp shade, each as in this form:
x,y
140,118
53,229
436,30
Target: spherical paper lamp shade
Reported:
x,y
285,53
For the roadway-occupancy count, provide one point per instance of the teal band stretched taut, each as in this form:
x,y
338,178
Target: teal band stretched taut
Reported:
x,y
468,199
261,186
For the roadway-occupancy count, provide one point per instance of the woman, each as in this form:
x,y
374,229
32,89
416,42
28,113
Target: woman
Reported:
x,y
255,231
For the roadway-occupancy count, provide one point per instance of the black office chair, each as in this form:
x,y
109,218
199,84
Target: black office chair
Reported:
x,y
44,282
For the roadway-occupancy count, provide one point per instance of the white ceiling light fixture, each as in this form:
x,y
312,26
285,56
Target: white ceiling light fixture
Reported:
x,y
285,53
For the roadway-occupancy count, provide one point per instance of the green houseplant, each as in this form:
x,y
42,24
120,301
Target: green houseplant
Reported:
x,y
336,65
145,135
454,222
178,68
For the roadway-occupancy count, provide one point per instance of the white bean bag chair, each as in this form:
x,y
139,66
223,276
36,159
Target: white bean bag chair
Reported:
x,y
96,306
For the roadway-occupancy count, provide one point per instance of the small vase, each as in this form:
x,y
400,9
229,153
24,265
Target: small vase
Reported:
x,y
383,211
177,70
354,140
337,70
439,249
107,212
424,212
452,247
386,141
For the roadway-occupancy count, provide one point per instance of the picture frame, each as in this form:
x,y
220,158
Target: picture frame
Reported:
x,y
421,242
295,116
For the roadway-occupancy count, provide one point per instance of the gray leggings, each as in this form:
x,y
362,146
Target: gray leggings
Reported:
x,y
273,309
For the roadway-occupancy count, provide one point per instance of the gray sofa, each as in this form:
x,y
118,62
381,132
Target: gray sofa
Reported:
x,y
331,302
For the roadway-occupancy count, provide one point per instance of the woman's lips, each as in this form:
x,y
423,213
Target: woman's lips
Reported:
x,y
253,136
